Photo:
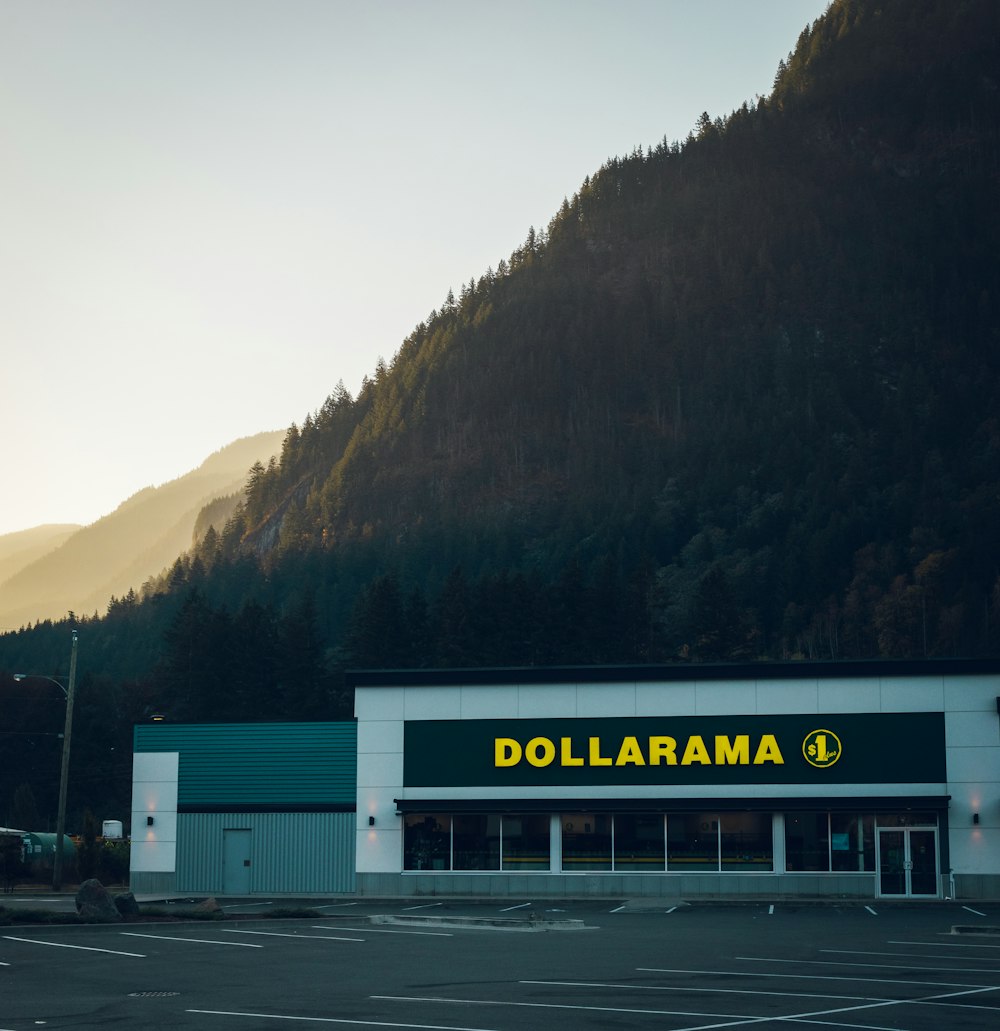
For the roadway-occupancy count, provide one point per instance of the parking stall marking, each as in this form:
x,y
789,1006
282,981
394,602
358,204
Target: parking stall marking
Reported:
x,y
385,930
285,934
898,955
948,945
710,991
864,966
818,977
971,910
568,1006
336,1020
84,948
198,941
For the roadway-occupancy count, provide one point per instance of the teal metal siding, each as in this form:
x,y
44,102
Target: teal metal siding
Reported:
x,y
258,766
291,853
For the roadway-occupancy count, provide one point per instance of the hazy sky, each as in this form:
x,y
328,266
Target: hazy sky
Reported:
x,y
213,210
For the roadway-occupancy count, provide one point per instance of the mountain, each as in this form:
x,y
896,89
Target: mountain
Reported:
x,y
59,569
757,369
737,400
20,549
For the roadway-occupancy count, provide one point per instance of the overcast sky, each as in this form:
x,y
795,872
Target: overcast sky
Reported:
x,y
213,210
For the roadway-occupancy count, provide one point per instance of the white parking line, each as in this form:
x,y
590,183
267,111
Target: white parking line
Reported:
x,y
336,905
819,977
428,905
383,930
710,991
971,910
336,1020
741,1018
898,955
247,905
770,910
837,963
523,905
283,934
84,948
672,909
870,910
618,910
947,945
199,941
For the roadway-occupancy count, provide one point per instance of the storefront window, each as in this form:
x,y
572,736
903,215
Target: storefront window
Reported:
x,y
586,841
526,842
807,841
747,842
476,842
852,842
693,842
821,842
639,842
427,841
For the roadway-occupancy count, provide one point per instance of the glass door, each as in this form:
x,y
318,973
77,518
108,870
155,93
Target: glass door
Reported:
x,y
907,861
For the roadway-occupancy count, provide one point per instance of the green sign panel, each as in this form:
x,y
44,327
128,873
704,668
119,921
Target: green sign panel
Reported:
x,y
853,748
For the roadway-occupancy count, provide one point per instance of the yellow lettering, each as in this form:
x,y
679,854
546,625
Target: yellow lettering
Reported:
x,y
506,752
732,753
695,752
596,759
567,758
630,752
768,751
662,750
539,751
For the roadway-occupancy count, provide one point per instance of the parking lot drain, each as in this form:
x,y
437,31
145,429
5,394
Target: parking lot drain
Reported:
x,y
150,995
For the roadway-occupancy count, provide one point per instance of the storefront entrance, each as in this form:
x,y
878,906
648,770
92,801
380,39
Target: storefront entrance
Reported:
x,y
907,861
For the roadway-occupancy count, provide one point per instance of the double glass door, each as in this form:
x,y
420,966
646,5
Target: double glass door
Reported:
x,y
907,861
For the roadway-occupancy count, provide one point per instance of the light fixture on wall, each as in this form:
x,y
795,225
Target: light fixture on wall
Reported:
x,y
975,817
371,821
149,821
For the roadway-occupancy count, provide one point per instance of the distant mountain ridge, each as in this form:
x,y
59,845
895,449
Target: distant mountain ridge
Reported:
x,y
48,571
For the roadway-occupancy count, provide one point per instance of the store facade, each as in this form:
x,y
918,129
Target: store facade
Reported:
x,y
864,780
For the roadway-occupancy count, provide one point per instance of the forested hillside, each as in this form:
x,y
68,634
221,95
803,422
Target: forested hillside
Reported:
x,y
739,399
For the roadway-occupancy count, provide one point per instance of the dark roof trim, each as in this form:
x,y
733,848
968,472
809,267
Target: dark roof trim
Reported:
x,y
852,803
671,673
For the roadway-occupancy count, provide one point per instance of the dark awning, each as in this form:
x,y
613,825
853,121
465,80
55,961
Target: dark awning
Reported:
x,y
851,803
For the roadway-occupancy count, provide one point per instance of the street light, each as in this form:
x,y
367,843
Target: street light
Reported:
x,y
57,861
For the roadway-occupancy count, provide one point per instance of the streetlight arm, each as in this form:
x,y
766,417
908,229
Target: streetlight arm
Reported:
x,y
41,676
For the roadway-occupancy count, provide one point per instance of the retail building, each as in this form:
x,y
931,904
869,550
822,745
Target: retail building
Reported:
x,y
857,779
869,779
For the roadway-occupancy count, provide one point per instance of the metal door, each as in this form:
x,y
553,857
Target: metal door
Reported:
x,y
907,861
236,862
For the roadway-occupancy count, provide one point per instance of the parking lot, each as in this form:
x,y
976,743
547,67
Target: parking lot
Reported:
x,y
515,964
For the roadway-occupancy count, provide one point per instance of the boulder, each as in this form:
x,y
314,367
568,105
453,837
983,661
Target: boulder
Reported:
x,y
94,902
127,905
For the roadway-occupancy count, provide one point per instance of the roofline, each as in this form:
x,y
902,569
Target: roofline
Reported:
x,y
675,672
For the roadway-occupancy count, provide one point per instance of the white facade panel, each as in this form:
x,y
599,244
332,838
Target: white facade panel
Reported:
x,y
539,701
657,699
432,703
912,694
154,796
380,736
490,701
973,729
725,698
